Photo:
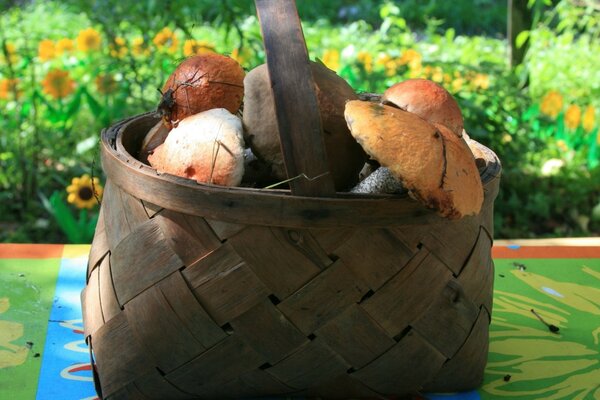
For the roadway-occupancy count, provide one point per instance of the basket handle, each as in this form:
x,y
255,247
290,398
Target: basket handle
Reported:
x,y
296,107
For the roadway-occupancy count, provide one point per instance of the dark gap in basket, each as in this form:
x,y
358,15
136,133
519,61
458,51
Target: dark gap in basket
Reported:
x,y
420,246
227,328
333,257
265,366
311,337
350,370
274,299
401,335
160,371
366,296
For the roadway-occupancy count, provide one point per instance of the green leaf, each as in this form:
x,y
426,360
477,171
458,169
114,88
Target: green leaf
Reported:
x,y
522,38
74,105
63,216
94,105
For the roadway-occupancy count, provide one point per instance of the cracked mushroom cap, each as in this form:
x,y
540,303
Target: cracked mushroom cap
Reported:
x,y
428,100
431,161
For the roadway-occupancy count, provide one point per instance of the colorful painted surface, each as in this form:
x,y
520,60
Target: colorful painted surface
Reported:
x,y
43,356
26,295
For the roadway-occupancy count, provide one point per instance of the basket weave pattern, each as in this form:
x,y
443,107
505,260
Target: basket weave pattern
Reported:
x,y
185,306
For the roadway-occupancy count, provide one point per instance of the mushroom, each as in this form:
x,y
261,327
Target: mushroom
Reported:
x,y
207,147
345,156
200,83
154,138
434,164
428,100
380,181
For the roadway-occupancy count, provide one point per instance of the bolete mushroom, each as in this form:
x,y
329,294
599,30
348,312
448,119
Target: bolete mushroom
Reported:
x,y
345,156
200,83
434,164
428,100
207,147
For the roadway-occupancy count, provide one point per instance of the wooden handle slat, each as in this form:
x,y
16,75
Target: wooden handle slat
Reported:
x,y
296,106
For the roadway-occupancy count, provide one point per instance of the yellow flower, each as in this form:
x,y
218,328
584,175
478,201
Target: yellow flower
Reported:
x,y
562,145
552,104
88,40
166,39
193,46
58,84
46,50
390,65
366,59
84,192
481,81
437,75
572,116
331,59
11,52
64,45
589,118
118,48
412,58
457,84
105,83
8,87
241,56
138,47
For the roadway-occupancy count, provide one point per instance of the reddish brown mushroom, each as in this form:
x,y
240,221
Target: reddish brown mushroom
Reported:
x,y
428,100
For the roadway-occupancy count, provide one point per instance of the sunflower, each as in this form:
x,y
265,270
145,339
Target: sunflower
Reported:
x,y
8,87
106,83
589,118
88,40
366,60
118,48
193,46
552,104
46,50
572,116
58,84
64,45
166,39
84,192
331,59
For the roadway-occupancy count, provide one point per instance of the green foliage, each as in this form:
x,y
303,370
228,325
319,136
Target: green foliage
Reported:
x,y
550,158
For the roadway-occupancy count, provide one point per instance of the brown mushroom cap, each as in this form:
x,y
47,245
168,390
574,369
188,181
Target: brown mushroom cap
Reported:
x,y
203,82
428,100
346,158
431,161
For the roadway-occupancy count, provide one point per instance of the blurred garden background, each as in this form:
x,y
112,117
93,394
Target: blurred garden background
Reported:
x,y
525,73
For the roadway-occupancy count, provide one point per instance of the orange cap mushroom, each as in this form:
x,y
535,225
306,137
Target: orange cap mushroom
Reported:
x,y
434,164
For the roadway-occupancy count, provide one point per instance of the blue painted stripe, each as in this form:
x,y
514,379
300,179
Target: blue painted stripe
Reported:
x,y
65,372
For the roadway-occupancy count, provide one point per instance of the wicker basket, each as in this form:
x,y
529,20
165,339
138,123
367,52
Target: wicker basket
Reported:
x,y
200,291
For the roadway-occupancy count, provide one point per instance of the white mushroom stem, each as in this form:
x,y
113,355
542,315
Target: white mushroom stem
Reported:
x,y
380,181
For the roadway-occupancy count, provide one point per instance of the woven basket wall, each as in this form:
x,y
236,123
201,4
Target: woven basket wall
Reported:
x,y
202,291
328,300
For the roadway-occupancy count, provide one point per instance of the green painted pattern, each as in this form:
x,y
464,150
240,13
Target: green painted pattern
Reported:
x,y
542,364
26,293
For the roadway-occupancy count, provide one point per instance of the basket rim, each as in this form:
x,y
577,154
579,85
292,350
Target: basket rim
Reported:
x,y
274,207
